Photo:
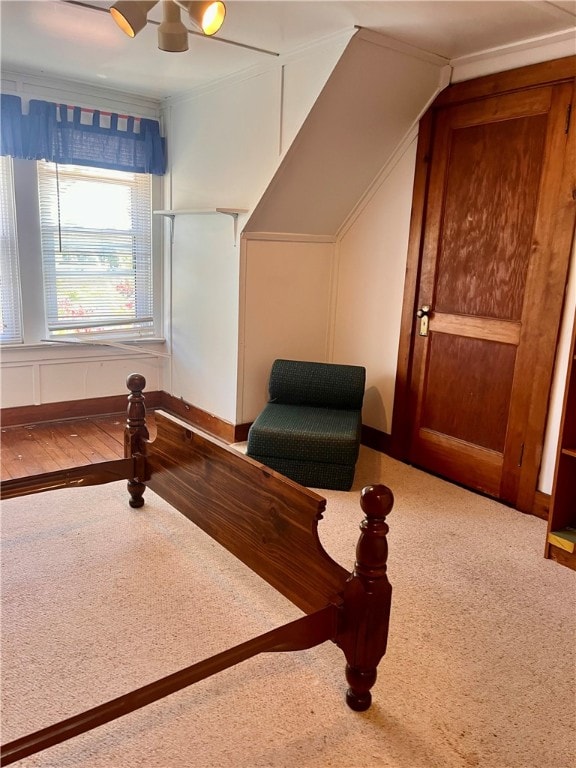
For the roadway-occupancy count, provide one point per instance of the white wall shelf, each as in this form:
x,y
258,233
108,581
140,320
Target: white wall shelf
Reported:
x,y
172,213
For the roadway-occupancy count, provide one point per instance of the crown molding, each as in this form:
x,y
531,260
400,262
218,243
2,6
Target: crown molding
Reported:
x,y
257,70
287,237
566,35
30,85
385,41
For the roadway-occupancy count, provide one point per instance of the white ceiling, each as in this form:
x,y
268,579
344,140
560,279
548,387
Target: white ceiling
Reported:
x,y
60,39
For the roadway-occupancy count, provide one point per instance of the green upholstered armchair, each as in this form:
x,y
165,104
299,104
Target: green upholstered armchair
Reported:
x,y
310,428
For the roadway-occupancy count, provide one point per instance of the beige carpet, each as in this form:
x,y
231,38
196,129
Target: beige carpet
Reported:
x,y
99,599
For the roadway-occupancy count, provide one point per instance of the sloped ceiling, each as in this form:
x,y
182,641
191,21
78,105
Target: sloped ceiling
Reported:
x,y
371,100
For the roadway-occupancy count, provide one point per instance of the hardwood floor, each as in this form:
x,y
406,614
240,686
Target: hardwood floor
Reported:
x,y
48,446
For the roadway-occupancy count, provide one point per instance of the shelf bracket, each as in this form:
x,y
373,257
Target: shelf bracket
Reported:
x,y
171,216
234,212
234,215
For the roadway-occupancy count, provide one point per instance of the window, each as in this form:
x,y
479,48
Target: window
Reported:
x,y
95,228
10,302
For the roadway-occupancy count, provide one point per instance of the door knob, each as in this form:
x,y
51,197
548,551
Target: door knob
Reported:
x,y
423,314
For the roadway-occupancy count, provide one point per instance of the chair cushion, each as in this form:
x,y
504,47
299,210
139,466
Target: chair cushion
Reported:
x,y
305,433
327,385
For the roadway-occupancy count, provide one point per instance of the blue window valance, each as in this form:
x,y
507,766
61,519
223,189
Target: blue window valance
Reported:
x,y
11,126
74,136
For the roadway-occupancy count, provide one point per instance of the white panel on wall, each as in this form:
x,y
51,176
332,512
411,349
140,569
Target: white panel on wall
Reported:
x,y
224,143
116,372
95,378
286,307
370,286
205,314
57,373
18,385
66,381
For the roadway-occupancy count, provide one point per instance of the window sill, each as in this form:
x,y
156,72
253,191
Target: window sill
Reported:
x,y
49,343
59,352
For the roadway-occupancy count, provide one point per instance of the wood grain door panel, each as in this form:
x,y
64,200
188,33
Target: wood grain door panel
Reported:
x,y
468,385
444,456
490,275
490,203
464,409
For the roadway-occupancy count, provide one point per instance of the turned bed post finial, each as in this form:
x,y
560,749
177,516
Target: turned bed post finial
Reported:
x,y
136,434
367,599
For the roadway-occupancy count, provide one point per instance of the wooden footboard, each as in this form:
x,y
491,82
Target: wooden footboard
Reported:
x,y
264,519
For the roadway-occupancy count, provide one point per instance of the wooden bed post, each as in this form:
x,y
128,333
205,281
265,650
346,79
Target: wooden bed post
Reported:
x,y
136,435
367,599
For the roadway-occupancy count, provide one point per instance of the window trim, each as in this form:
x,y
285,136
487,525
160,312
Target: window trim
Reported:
x,y
119,252
10,286
29,246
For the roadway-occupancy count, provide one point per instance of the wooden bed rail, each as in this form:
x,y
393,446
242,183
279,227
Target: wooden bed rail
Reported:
x,y
298,635
131,468
76,477
359,627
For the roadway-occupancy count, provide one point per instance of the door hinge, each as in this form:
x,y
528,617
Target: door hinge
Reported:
x,y
521,455
568,116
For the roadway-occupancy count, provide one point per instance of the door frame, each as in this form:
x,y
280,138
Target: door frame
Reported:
x,y
547,73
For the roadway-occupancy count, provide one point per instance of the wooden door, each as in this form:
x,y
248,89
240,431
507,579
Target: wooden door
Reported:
x,y
492,275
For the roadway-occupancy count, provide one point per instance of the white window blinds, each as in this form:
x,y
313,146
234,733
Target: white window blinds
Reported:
x,y
96,250
10,301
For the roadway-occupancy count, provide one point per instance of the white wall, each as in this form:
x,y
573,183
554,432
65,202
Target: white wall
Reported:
x,y
559,383
215,162
225,145
285,300
367,286
372,252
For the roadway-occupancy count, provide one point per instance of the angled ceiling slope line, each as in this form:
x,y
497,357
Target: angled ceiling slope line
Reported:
x,y
373,97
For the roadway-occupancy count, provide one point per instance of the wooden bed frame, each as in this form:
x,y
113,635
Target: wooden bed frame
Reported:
x,y
269,523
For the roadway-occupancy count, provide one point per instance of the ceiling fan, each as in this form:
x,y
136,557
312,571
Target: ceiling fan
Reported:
x,y
132,16
207,19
